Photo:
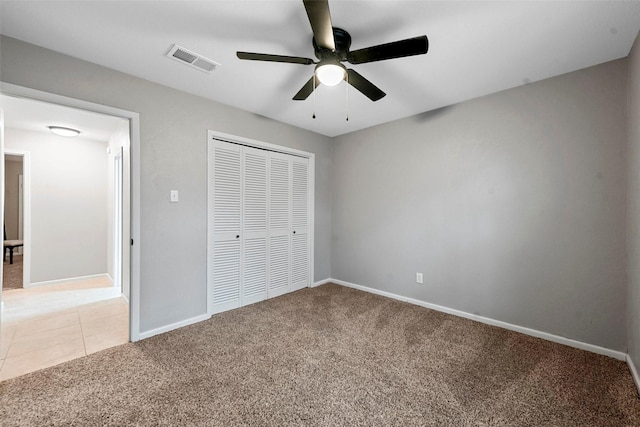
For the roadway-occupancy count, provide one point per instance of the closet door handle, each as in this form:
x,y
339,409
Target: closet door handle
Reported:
x,y
294,232
237,236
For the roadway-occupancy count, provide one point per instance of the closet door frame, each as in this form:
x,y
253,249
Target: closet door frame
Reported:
x,y
215,135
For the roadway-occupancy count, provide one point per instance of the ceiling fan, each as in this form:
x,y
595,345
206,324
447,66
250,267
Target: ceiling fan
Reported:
x,y
331,47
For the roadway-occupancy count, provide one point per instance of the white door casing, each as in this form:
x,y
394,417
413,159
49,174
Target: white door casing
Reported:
x,y
26,213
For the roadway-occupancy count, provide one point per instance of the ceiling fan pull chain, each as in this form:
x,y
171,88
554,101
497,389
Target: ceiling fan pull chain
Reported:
x,y
347,97
314,95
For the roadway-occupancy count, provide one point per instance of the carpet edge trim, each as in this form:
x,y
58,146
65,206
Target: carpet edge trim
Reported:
x,y
172,326
486,320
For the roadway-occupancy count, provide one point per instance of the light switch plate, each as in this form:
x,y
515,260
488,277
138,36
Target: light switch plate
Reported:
x,y
174,196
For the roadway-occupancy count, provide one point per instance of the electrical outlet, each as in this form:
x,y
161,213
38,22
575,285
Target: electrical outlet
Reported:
x,y
419,278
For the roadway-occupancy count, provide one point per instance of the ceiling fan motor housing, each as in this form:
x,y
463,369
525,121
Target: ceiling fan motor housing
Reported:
x,y
342,42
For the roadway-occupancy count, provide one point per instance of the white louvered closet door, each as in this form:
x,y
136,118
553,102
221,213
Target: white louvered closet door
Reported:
x,y
259,224
226,220
299,223
254,235
279,224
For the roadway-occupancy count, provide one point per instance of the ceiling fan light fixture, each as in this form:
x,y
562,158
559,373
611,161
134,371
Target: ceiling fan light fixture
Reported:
x,y
62,131
330,74
331,46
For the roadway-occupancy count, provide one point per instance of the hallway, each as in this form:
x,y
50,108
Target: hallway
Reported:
x,y
47,325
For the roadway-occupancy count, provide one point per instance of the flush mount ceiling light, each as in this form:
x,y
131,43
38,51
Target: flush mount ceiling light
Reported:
x,y
330,73
62,131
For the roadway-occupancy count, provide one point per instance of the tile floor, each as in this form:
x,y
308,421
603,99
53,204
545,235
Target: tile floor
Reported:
x,y
48,325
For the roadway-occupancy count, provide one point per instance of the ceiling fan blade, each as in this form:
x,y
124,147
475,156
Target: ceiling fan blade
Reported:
x,y
367,88
306,90
274,58
320,20
408,47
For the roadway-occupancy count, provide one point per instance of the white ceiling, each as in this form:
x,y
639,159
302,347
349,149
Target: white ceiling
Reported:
x,y
36,116
476,48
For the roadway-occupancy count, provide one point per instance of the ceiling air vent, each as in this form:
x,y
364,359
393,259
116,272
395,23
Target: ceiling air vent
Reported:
x,y
193,59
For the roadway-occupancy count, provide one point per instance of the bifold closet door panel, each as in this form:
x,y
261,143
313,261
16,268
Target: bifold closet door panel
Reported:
x,y
300,223
227,224
279,224
259,215
254,225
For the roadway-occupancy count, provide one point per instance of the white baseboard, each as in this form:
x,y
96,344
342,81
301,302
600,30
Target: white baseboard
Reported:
x,y
197,319
321,282
70,279
634,372
527,331
171,327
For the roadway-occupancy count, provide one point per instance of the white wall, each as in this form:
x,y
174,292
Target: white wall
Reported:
x,y
68,204
12,171
633,213
511,205
173,155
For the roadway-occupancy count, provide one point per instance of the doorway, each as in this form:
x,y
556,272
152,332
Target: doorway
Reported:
x,y
120,271
17,206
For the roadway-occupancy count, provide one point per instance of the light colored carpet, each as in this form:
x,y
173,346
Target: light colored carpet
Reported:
x,y
12,273
329,356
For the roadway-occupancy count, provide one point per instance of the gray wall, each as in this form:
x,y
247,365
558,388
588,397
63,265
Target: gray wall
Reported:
x,y
511,205
173,153
68,204
633,215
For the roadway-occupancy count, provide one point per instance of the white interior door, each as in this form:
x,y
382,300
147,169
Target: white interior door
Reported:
x,y
279,224
299,223
226,219
117,220
260,204
254,225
